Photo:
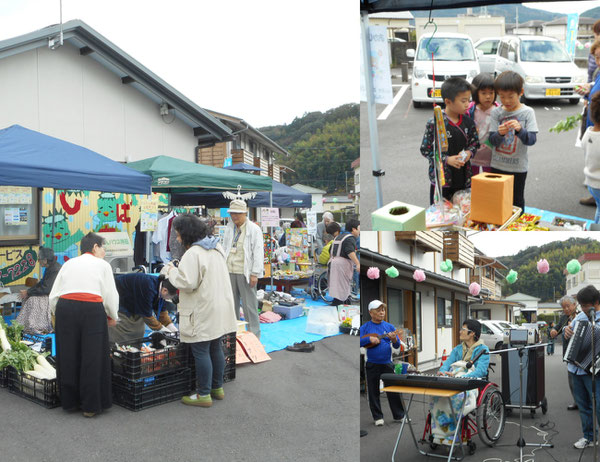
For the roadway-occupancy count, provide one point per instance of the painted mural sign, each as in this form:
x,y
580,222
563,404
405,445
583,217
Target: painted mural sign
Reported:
x,y
24,264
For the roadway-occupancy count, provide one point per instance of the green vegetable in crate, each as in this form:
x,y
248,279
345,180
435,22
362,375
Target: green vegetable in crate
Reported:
x,y
3,340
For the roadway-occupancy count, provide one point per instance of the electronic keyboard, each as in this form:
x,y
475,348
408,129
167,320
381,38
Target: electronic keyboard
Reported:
x,y
433,381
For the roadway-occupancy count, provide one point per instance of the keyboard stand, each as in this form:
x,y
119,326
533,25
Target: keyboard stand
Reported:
x,y
428,392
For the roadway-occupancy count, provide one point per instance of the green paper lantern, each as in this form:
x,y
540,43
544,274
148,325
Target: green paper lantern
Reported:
x,y
580,46
573,267
512,276
314,202
446,266
335,199
392,272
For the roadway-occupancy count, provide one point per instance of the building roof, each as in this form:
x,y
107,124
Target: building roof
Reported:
x,y
308,189
533,23
563,21
355,163
489,261
549,305
392,15
589,257
521,296
240,125
406,270
342,199
90,43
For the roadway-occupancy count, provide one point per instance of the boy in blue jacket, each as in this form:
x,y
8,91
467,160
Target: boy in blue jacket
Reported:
x,y
470,345
377,336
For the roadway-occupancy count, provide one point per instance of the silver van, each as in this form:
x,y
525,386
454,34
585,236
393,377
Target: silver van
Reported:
x,y
544,64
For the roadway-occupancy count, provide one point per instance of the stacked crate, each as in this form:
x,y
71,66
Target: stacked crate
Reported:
x,y
145,379
40,391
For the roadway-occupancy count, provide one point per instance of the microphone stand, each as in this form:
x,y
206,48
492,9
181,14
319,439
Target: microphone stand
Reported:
x,y
521,442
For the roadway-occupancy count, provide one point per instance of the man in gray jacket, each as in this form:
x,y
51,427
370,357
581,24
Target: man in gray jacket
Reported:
x,y
244,250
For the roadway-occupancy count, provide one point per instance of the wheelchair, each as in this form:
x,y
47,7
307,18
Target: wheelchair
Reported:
x,y
319,283
487,420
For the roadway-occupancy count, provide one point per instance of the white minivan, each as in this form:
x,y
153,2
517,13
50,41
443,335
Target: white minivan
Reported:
x,y
454,56
544,64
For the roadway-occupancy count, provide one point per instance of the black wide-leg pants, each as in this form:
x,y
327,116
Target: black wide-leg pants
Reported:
x,y
82,352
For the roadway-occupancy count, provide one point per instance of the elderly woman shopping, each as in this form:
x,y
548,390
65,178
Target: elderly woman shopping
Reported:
x,y
35,313
205,307
343,260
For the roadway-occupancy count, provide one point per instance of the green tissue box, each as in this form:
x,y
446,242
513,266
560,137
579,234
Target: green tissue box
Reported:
x,y
398,216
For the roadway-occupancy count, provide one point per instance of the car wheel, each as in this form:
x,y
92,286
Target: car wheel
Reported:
x,y
417,104
498,346
574,101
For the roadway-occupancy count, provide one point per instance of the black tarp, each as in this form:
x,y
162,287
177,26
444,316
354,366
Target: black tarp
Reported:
x,y
380,6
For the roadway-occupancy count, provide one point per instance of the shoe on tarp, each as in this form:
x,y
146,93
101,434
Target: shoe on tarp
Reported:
x,y
302,346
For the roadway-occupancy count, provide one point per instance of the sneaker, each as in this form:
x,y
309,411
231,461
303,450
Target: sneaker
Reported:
x,y
89,414
583,443
198,400
217,393
379,423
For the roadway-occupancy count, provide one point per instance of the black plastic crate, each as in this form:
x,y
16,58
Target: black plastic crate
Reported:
x,y
41,391
137,365
4,378
150,391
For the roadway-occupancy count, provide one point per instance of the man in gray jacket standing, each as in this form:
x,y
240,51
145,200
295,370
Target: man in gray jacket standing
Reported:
x,y
244,250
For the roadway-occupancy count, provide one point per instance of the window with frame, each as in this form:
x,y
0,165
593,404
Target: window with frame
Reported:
x,y
503,50
486,330
19,212
395,308
489,47
444,312
481,314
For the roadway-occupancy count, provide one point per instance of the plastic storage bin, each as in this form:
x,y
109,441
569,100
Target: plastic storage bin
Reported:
x,y
150,391
136,365
323,320
289,312
41,391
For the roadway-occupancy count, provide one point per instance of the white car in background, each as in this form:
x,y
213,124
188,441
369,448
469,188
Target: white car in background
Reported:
x,y
492,333
454,56
488,47
544,64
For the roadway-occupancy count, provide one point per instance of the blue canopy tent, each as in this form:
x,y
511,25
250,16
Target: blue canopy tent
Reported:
x,y
30,158
283,196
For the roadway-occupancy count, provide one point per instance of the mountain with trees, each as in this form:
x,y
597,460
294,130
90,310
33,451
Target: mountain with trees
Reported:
x,y
508,11
322,146
550,286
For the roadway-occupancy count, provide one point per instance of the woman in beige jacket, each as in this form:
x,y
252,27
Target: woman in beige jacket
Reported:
x,y
205,305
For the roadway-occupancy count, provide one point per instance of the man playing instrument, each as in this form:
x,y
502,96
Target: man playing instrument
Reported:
x,y
589,299
378,336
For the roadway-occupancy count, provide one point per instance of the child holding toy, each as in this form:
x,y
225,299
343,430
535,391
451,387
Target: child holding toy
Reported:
x,y
480,110
512,129
591,149
462,139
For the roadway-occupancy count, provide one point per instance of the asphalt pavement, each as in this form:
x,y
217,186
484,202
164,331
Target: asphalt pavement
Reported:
x,y
558,426
296,407
554,181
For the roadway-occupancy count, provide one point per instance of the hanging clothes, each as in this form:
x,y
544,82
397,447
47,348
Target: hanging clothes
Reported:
x,y
139,246
175,248
161,236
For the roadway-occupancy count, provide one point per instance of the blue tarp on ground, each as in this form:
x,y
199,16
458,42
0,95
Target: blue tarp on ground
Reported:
x,y
283,196
30,158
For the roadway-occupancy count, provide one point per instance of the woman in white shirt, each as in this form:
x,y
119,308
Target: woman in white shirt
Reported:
x,y
85,301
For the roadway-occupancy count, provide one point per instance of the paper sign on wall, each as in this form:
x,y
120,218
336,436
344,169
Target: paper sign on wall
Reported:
x,y
269,216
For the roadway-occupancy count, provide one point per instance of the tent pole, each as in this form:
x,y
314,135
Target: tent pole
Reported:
x,y
53,217
271,233
373,134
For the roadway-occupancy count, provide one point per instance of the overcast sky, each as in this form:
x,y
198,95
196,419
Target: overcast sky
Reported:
x,y
266,61
501,244
565,7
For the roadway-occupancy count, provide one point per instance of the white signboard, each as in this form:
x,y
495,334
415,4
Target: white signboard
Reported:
x,y
117,244
380,67
311,222
269,216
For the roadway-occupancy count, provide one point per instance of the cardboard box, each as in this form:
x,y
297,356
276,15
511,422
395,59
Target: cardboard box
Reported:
x,y
491,198
398,216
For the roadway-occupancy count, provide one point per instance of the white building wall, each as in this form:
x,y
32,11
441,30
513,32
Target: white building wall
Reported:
x,y
72,97
589,274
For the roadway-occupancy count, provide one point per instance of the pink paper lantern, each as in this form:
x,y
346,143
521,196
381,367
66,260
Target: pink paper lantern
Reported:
x,y
419,275
474,289
588,44
373,273
543,266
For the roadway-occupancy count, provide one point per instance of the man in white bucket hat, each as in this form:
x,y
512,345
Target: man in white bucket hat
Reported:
x,y
244,250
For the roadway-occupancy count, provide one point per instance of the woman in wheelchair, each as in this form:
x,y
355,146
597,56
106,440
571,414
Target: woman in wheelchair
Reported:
x,y
443,419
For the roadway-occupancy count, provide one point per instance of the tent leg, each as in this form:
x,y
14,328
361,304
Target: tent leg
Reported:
x,y
53,217
271,233
373,134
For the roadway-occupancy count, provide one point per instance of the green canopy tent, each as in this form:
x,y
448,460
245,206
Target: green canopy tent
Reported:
x,y
175,175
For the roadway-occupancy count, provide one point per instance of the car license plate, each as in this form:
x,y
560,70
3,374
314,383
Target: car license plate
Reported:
x,y
438,93
552,91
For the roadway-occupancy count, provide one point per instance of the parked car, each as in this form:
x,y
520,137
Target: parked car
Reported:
x,y
544,64
454,56
492,334
489,49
